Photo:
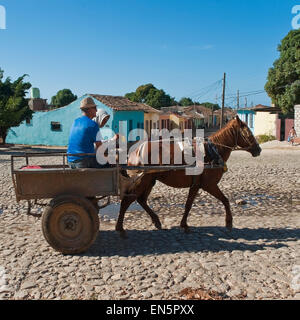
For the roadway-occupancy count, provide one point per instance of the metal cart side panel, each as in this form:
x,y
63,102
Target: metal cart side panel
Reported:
x,y
49,183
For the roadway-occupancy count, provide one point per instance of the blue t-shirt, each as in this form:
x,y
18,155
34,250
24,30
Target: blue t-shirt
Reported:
x,y
82,137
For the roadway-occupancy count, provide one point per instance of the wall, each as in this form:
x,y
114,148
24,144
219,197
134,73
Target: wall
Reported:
x,y
136,117
297,119
265,123
289,123
151,116
175,121
39,132
245,115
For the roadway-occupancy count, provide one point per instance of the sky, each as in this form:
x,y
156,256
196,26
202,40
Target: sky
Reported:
x,y
113,46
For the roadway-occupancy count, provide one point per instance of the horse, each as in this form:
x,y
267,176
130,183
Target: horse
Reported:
x,y
235,135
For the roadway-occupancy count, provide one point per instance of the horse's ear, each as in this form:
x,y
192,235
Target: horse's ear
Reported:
x,y
238,119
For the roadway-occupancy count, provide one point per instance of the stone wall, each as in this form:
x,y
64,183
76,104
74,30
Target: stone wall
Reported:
x,y
297,119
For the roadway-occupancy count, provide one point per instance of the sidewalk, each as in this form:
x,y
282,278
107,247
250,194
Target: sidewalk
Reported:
x,y
275,144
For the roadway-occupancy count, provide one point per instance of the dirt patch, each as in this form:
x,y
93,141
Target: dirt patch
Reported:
x,y
203,294
200,294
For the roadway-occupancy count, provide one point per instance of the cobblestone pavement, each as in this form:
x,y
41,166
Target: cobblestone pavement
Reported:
x,y
259,259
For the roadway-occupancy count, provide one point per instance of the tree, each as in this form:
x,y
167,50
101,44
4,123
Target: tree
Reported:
x,y
186,102
143,91
63,98
212,106
14,107
152,96
131,96
158,99
283,83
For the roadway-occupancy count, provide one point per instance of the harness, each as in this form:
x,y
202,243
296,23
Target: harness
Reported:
x,y
213,153
244,136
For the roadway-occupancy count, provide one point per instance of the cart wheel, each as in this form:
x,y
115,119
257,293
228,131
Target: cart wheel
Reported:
x,y
70,224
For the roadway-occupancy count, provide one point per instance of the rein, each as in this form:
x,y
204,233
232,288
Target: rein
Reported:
x,y
236,147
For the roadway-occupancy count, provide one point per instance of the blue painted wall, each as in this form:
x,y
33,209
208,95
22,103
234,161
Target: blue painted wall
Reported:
x,y
39,131
245,115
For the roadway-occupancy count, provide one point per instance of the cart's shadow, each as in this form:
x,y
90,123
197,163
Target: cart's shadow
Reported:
x,y
214,239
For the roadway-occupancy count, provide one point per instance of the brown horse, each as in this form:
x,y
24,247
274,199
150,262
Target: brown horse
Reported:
x,y
234,136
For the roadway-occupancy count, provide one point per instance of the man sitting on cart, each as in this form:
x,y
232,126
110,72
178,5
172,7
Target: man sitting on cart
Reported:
x,y
84,134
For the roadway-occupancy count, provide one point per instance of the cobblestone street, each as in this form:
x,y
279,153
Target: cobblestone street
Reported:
x,y
259,259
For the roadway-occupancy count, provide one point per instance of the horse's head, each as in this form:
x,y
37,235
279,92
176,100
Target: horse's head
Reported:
x,y
245,140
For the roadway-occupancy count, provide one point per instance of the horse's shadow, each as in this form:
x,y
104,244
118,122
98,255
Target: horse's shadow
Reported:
x,y
201,239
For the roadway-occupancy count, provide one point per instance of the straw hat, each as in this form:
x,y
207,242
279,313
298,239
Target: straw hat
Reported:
x,y
87,103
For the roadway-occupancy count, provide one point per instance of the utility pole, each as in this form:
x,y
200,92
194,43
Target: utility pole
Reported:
x,y
223,102
238,99
246,102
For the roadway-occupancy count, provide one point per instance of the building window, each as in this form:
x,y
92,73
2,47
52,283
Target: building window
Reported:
x,y
55,126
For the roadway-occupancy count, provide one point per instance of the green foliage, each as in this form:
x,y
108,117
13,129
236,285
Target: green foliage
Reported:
x,y
210,105
143,91
283,85
186,102
265,138
63,98
14,107
152,96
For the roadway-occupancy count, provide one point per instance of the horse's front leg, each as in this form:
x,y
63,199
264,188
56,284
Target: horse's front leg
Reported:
x,y
217,193
188,205
142,200
152,214
125,203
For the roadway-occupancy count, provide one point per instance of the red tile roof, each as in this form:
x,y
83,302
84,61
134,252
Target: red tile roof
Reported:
x,y
120,103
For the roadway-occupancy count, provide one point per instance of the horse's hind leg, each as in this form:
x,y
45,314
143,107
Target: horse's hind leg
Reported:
x,y
142,200
188,205
217,193
125,203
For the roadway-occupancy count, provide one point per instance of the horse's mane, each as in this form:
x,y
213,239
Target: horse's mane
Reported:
x,y
222,135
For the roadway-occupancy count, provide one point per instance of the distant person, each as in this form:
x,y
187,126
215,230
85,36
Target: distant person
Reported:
x,y
292,136
84,134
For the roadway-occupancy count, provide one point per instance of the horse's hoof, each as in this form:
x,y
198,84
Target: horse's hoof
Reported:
x,y
158,226
229,227
123,234
186,229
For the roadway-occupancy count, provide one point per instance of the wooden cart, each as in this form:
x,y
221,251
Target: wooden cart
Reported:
x,y
70,221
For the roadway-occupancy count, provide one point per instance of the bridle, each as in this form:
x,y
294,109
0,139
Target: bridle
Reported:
x,y
236,133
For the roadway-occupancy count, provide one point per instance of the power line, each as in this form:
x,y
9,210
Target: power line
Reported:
x,y
204,91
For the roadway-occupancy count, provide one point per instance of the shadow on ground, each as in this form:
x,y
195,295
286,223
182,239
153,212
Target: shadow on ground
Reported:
x,y
201,239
